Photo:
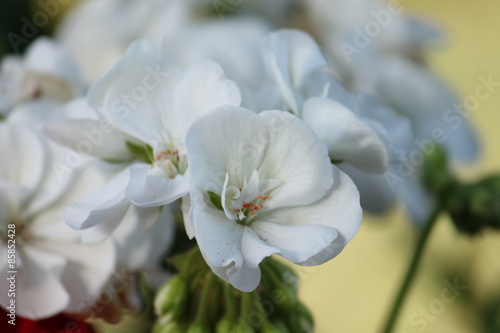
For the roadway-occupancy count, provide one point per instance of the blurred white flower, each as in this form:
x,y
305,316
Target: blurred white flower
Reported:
x,y
99,32
55,273
364,137
45,72
262,184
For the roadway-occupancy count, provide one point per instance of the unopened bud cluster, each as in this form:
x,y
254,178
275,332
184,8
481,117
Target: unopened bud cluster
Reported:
x,y
197,301
472,207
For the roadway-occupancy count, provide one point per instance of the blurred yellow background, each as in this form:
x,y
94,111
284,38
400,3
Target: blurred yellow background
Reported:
x,y
353,292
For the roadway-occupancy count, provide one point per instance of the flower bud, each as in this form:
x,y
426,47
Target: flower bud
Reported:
x,y
172,296
476,206
224,325
169,327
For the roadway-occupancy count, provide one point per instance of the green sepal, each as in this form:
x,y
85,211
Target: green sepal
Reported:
x,y
140,152
216,200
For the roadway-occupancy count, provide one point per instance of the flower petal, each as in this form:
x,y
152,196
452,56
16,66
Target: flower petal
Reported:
x,y
106,204
151,187
339,209
136,94
205,80
87,136
290,56
43,294
88,268
236,141
348,138
296,243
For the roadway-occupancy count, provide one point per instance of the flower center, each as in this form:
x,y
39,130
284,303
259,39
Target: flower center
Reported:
x,y
242,204
15,231
172,159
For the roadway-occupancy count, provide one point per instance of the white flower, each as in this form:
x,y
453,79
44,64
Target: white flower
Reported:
x,y
299,69
364,137
55,272
46,71
156,104
262,184
99,32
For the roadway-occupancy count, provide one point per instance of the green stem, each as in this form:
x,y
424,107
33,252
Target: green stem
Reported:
x,y
411,272
245,305
230,302
203,305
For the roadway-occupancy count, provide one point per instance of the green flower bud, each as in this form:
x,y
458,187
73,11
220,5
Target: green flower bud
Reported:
x,y
477,206
436,174
286,299
172,296
305,313
225,325
169,327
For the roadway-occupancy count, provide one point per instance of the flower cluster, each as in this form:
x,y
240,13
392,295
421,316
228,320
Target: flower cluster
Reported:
x,y
251,139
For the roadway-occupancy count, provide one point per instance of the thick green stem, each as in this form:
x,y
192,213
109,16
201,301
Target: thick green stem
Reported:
x,y
411,272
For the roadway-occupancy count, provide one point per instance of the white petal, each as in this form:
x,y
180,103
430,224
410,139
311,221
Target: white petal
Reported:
x,y
418,93
348,138
86,136
219,240
277,144
138,248
290,56
45,56
375,193
41,292
293,242
28,156
254,246
88,268
206,81
104,205
186,215
151,187
339,209
136,95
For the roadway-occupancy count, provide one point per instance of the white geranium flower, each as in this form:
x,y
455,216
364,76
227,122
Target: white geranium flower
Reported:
x,y
299,69
157,108
55,272
368,137
262,184
46,71
158,120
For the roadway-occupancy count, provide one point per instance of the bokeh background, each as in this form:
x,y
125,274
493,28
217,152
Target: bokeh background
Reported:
x,y
353,292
